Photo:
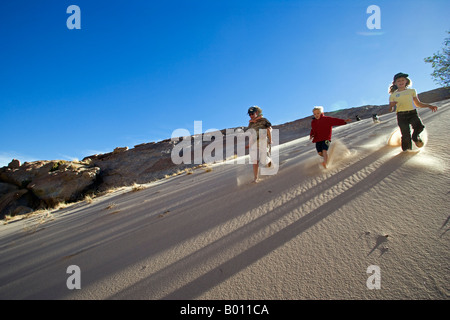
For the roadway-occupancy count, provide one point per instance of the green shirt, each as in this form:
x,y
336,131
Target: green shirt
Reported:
x,y
261,123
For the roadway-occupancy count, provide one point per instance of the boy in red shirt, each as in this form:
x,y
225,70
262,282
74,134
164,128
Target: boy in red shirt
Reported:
x,y
321,127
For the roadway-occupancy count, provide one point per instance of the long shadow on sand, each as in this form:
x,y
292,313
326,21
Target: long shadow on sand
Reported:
x,y
246,257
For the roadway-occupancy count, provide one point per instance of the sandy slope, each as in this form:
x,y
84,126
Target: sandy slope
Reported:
x,y
304,233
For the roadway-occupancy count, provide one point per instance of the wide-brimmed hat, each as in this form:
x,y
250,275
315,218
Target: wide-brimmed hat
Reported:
x,y
400,75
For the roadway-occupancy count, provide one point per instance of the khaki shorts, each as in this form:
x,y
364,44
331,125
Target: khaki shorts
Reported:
x,y
262,156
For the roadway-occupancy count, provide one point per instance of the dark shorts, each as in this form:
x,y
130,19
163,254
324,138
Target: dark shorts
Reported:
x,y
322,145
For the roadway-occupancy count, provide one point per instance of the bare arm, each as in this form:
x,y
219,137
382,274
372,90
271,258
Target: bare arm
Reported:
x,y
269,135
392,106
420,104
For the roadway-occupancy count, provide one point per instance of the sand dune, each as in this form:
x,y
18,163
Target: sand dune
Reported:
x,y
304,233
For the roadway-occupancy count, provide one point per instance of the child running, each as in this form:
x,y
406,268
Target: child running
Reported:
x,y
407,101
258,122
321,130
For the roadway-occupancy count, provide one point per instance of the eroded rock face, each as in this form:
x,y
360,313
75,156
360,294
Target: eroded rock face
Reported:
x,y
142,164
14,164
18,202
62,185
42,184
6,188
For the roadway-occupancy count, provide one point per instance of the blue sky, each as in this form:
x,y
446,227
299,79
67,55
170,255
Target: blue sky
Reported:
x,y
138,70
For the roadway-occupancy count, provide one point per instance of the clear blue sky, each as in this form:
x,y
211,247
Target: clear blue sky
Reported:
x,y
138,70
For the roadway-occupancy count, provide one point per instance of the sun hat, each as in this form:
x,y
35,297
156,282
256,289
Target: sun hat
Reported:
x,y
400,75
254,109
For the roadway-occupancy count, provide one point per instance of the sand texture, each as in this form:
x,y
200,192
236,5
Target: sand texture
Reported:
x,y
304,233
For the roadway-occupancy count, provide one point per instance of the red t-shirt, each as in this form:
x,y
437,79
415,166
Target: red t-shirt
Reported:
x,y
321,129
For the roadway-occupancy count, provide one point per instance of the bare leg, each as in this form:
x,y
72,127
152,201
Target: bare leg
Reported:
x,y
255,172
325,158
